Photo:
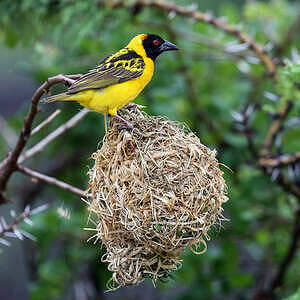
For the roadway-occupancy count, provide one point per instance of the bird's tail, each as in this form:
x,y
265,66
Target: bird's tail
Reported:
x,y
58,97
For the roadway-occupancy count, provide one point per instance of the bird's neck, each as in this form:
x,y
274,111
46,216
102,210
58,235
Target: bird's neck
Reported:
x,y
137,46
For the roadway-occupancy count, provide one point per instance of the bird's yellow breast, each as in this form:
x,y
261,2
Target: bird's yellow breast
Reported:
x,y
108,100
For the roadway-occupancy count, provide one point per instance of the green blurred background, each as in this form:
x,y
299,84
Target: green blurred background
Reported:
x,y
204,85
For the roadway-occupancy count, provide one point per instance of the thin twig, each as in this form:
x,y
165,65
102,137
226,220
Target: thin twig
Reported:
x,y
275,128
51,180
5,228
205,18
279,161
12,227
61,163
45,122
53,135
266,160
9,164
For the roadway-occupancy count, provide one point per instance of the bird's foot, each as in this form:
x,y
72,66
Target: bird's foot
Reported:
x,y
126,125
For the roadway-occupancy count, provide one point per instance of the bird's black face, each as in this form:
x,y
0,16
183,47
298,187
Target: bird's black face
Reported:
x,y
154,45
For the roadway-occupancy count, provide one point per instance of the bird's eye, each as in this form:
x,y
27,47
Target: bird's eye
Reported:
x,y
156,42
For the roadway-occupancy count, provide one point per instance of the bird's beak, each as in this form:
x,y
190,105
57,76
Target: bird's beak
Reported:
x,y
167,46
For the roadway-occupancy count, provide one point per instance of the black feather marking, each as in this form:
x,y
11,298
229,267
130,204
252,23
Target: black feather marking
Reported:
x,y
114,69
128,56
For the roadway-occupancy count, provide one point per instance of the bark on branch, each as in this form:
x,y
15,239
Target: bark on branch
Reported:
x,y
9,165
280,161
51,180
40,146
201,17
275,128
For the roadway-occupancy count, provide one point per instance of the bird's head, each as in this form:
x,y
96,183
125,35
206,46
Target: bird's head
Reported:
x,y
152,45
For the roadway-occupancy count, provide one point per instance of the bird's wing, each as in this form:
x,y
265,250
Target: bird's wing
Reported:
x,y
124,65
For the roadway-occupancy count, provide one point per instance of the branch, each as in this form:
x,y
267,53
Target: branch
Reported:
x,y
9,164
45,122
265,161
53,135
12,229
279,161
205,18
51,180
275,128
265,158
59,165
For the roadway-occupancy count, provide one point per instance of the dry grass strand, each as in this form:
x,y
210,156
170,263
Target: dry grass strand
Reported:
x,y
155,191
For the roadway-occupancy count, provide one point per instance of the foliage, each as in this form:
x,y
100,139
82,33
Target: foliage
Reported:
x,y
289,81
294,296
203,85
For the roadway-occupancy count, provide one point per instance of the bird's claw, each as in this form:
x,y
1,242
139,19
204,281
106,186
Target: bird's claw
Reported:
x,y
125,124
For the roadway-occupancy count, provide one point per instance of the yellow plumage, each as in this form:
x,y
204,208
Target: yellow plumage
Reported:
x,y
119,78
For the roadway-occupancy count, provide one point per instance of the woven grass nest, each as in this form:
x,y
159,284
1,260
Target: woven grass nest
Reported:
x,y
155,191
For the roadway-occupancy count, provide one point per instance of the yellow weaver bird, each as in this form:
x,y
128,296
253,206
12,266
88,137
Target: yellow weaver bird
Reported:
x,y
119,78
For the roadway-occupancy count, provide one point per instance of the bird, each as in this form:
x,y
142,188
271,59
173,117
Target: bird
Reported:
x,y
119,78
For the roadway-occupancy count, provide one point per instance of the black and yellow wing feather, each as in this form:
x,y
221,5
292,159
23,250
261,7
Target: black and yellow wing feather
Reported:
x,y
124,65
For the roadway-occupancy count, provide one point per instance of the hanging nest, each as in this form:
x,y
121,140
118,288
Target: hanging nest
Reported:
x,y
155,190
